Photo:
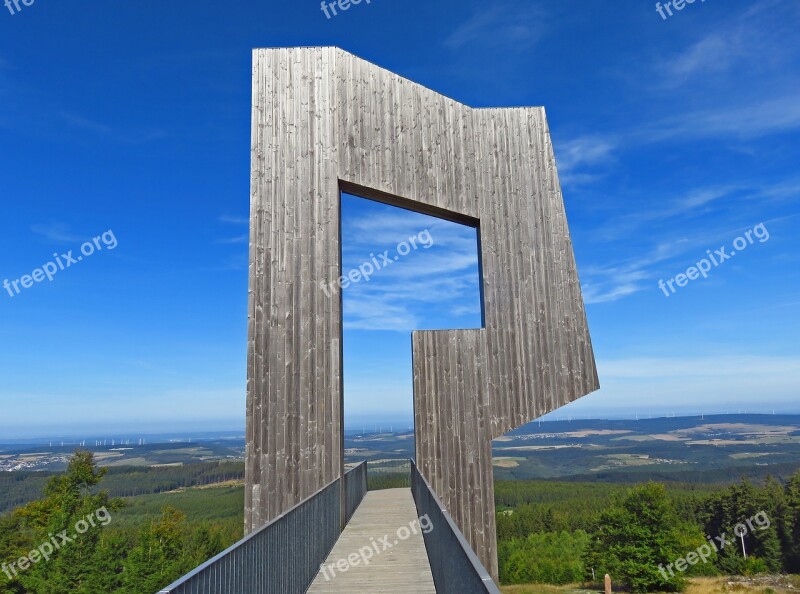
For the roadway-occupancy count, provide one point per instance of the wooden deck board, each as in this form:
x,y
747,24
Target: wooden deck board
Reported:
x,y
402,568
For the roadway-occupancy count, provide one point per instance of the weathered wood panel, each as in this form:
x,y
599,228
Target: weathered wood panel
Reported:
x,y
294,336
322,119
540,355
451,410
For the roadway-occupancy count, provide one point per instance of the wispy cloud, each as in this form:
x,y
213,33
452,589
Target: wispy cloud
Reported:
x,y
610,284
418,290
237,221
373,314
131,136
669,252
85,123
755,119
718,52
56,232
737,82
514,27
584,151
692,203
234,240
234,219
755,42
579,179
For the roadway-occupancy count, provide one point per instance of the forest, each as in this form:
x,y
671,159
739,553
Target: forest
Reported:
x,y
651,537
59,546
21,487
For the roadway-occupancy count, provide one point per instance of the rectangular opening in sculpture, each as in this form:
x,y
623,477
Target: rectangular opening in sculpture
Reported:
x,y
401,270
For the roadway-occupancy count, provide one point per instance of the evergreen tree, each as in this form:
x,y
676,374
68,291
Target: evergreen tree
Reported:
x,y
769,541
755,512
792,523
90,560
634,540
159,557
13,545
70,518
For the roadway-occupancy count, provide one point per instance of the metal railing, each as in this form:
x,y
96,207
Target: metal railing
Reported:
x,y
355,488
455,566
282,557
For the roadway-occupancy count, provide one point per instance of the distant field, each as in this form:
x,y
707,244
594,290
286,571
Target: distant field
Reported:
x,y
700,449
18,488
200,504
683,450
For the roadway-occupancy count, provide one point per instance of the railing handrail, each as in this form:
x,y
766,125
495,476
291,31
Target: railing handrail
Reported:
x,y
477,566
362,463
200,568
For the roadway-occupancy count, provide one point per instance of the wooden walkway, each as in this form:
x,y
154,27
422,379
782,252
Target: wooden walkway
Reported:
x,y
400,566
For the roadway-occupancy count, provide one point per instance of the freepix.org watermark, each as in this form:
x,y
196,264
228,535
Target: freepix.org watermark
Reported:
x,y
704,266
666,10
716,544
376,547
381,261
63,261
12,4
329,8
45,550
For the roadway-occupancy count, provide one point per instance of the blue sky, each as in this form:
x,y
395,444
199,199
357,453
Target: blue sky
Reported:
x,y
673,137
435,285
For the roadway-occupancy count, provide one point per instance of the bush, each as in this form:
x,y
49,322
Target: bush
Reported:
x,y
754,566
543,558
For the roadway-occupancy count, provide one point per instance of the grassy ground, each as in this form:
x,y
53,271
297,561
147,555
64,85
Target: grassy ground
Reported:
x,y
736,585
213,504
543,589
742,585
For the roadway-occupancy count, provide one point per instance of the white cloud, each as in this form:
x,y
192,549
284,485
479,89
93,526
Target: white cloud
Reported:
x,y
716,53
512,27
611,284
378,314
234,220
238,221
583,151
416,288
56,232
128,136
757,118
755,42
234,240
